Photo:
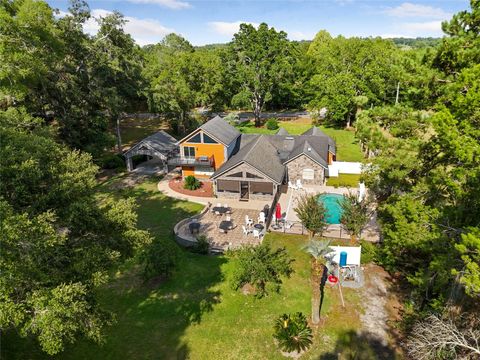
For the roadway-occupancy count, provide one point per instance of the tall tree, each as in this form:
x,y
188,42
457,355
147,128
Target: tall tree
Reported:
x,y
312,214
57,241
355,214
317,250
347,68
262,58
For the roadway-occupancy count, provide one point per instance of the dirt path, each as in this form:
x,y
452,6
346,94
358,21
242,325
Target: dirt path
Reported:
x,y
375,317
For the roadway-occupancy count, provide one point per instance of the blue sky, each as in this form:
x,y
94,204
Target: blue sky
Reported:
x,y
207,22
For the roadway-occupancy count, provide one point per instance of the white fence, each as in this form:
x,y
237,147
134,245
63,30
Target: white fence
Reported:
x,y
344,167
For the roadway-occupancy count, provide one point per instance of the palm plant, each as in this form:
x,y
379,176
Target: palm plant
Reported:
x,y
317,250
293,332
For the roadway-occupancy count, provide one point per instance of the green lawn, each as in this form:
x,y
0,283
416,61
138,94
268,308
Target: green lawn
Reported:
x,y
344,180
196,314
347,146
133,130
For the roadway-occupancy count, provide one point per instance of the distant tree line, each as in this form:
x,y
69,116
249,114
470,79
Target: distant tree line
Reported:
x,y
415,113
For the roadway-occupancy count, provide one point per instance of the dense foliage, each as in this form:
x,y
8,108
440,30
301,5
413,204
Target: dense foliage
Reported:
x,y
57,240
425,174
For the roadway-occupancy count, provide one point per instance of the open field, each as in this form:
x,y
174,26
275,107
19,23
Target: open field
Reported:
x,y
196,314
347,146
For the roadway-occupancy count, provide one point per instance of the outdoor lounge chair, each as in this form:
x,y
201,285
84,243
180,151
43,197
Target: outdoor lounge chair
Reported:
x,y
248,221
257,234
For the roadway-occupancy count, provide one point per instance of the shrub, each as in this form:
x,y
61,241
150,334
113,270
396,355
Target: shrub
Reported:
x,y
202,246
158,258
370,252
293,333
191,183
232,118
261,267
272,124
112,161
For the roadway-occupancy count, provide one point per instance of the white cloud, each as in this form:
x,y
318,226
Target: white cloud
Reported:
x,y
416,10
228,28
171,4
144,31
299,35
422,27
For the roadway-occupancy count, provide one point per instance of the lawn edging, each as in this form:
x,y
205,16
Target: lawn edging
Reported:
x,y
183,240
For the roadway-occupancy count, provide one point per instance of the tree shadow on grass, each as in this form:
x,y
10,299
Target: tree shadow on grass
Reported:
x,y
353,346
151,323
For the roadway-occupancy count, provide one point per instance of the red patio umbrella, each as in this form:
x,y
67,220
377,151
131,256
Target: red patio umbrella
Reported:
x,y
278,212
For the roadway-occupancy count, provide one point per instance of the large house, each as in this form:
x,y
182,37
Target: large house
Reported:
x,y
253,166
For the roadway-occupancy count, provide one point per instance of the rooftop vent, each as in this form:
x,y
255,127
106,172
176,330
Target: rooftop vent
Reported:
x,y
309,149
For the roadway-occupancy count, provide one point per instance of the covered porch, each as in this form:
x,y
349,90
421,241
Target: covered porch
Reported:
x,y
245,189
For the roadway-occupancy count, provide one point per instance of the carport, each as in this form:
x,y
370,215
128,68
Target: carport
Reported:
x,y
160,145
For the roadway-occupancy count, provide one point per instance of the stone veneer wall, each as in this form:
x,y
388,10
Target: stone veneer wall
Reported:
x,y
295,170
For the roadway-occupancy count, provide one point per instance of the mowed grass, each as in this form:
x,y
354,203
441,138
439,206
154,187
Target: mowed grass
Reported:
x,y
347,146
344,180
133,130
196,314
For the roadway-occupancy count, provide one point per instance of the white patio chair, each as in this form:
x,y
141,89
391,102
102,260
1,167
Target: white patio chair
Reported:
x,y
245,230
218,213
261,218
225,206
291,186
248,221
219,205
256,234
228,218
299,184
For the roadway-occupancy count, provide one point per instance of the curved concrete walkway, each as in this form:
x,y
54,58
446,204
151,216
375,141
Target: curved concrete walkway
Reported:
x,y
164,188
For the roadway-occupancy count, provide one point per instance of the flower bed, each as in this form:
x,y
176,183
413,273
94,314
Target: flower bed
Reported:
x,y
206,190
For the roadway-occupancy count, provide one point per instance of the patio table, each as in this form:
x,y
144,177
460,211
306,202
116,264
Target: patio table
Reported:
x,y
221,209
259,227
194,227
226,225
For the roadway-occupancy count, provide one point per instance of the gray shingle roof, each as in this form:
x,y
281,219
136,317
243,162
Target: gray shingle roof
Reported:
x,y
259,153
315,131
160,141
270,153
221,130
304,146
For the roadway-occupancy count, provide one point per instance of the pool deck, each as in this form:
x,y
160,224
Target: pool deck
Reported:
x,y
289,200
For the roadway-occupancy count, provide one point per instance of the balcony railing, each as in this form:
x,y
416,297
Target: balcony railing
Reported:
x,y
198,161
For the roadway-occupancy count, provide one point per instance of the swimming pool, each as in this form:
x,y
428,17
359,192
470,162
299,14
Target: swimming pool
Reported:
x,y
334,211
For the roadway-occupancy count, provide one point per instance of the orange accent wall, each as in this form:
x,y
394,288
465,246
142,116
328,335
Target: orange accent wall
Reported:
x,y
215,150
187,171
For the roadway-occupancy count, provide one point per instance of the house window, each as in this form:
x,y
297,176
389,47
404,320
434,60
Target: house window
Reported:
x,y
195,139
238,175
189,151
308,174
208,140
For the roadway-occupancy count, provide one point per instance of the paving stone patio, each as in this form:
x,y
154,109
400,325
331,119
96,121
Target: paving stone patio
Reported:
x,y
209,226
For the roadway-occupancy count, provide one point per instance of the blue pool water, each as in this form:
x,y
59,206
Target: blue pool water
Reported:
x,y
334,211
